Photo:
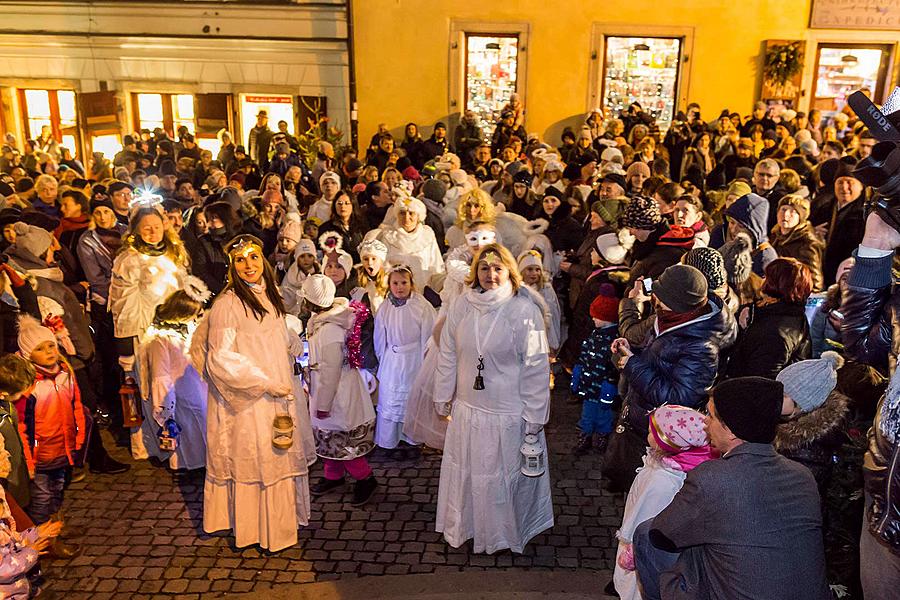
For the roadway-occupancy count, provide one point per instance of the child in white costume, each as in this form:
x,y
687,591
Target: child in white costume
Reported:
x,y
174,395
403,326
371,274
305,264
531,267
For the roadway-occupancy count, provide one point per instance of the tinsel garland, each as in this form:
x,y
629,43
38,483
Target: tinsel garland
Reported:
x,y
354,338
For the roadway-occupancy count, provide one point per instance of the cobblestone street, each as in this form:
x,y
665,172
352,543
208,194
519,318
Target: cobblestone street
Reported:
x,y
142,535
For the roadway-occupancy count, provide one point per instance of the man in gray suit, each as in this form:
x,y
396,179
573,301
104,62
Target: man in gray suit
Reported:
x,y
745,526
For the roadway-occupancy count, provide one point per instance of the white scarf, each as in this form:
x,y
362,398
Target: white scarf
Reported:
x,y
485,301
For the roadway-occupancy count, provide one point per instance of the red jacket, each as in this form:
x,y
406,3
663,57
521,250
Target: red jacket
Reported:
x,y
51,422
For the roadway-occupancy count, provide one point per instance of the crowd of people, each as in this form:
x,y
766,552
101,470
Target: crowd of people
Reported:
x,y
713,295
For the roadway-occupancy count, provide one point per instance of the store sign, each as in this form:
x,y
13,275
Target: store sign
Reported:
x,y
269,99
855,14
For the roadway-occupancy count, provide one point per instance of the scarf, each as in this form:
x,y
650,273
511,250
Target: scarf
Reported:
x,y
395,300
667,319
484,301
686,460
71,224
149,249
110,238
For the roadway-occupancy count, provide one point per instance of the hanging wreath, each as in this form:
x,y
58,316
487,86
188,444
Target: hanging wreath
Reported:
x,y
783,61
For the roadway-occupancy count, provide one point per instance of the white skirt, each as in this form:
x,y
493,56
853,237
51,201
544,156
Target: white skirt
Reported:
x,y
483,494
422,423
264,515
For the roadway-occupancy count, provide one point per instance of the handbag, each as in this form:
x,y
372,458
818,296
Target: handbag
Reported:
x,y
623,455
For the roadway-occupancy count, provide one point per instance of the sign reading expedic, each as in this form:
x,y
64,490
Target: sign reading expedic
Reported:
x,y
855,14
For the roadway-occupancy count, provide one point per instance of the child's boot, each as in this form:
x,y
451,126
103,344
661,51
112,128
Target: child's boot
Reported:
x,y
584,443
600,442
363,490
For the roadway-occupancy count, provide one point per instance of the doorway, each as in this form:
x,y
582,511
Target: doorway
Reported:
x,y
841,69
491,74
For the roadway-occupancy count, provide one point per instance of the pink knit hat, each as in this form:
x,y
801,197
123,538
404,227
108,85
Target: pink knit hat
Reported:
x,y
32,334
680,434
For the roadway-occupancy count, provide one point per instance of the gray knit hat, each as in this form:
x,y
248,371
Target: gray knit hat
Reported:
x,y
708,261
809,382
32,239
738,261
681,288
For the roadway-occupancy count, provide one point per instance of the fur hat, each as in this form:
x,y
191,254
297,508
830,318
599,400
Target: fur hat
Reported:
x,y
809,382
642,213
32,334
318,290
750,407
738,261
373,248
611,248
605,306
32,239
291,230
708,261
798,203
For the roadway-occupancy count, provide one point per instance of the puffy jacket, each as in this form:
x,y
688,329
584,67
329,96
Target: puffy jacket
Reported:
x,y
52,423
752,212
803,244
812,438
777,336
678,366
564,232
871,334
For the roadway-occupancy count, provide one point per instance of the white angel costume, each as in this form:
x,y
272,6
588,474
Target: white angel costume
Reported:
x,y
258,491
417,249
483,494
401,335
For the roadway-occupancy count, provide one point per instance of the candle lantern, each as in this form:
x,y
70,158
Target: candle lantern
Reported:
x,y
533,456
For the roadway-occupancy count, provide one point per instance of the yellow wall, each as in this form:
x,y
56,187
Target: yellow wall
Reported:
x,y
402,52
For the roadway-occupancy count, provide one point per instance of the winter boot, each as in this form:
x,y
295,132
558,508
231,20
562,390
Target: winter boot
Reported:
x,y
323,486
584,443
600,442
363,490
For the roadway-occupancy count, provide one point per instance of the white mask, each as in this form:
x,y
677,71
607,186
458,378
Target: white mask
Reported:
x,y
480,238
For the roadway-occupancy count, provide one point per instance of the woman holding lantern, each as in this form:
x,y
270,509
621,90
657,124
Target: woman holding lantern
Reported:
x,y
256,474
493,378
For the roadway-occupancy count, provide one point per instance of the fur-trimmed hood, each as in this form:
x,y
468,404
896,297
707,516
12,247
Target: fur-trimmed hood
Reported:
x,y
814,425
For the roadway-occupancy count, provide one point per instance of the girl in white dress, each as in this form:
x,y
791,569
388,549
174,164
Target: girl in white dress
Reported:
x,y
402,328
245,352
174,394
531,266
493,376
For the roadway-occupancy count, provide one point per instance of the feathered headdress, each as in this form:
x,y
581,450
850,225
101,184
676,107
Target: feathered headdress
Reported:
x,y
196,289
331,241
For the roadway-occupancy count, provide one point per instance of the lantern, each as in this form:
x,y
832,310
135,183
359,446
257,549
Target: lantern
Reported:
x,y
533,456
131,408
283,426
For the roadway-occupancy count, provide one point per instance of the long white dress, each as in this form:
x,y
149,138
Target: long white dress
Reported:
x,y
258,491
418,250
401,335
483,494
173,389
337,388
653,489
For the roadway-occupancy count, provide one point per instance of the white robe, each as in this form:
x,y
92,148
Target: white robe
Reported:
x,y
260,492
401,335
483,494
321,209
653,489
138,285
554,322
418,250
290,289
172,389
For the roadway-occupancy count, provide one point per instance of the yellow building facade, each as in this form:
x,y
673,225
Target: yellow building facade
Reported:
x,y
411,55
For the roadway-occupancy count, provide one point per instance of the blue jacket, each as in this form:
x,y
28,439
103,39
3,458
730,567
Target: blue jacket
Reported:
x,y
752,212
677,366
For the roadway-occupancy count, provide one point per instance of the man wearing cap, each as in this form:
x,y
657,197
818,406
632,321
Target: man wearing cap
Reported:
x,y
129,150
437,144
259,140
747,525
505,130
844,230
121,195
657,245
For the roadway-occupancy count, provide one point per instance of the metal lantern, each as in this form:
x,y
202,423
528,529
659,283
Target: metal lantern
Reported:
x,y
533,464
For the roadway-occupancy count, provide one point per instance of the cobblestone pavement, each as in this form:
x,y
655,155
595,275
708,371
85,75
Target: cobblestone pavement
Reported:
x,y
142,534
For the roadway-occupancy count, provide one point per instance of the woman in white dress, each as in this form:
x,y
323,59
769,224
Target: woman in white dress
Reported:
x,y
493,376
403,326
244,351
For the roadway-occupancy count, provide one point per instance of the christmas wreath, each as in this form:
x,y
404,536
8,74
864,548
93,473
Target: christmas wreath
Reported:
x,y
783,61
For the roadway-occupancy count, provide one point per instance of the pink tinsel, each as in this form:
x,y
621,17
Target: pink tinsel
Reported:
x,y
354,338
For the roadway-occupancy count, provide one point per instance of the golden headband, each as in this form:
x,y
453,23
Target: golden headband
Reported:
x,y
491,258
243,245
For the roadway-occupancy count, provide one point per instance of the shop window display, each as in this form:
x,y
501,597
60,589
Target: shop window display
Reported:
x,y
644,70
491,63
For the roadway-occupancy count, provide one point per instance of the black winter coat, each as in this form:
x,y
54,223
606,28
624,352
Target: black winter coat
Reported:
x,y
564,232
777,336
210,263
678,366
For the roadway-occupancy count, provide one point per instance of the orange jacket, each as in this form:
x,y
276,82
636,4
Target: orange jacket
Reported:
x,y
52,422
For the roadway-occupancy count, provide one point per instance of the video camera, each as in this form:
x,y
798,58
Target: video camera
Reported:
x,y
881,170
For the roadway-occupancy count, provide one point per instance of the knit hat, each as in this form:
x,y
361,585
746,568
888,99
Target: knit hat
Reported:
x,y
809,382
318,289
617,178
272,197
605,306
553,165
738,188
612,155
530,258
434,190
458,177
32,334
373,248
682,288
798,203
585,134
33,239
292,230
523,177
98,201
305,246
708,261
329,175
678,428
750,407
738,260
611,249
610,209
844,267
642,213
638,167
343,259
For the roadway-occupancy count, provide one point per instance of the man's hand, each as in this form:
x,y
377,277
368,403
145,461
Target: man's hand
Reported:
x,y
564,266
880,235
636,293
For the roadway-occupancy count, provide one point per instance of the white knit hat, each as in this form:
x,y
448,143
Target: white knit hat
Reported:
x,y
291,230
409,204
32,334
305,246
458,177
329,175
318,290
373,248
553,165
613,155
530,258
343,259
809,382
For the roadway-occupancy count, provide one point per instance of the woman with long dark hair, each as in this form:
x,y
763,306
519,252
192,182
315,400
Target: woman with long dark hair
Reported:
x,y
348,221
259,435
